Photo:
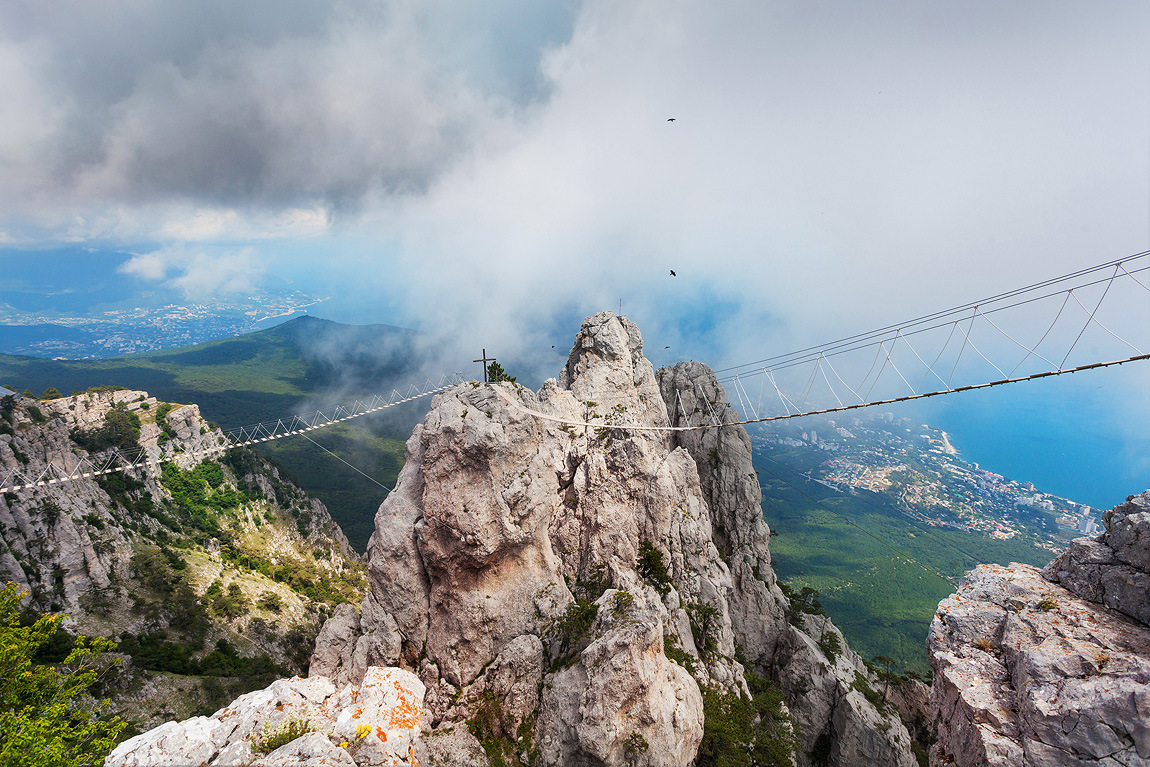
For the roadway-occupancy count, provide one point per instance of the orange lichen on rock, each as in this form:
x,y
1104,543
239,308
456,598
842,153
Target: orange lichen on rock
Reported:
x,y
407,713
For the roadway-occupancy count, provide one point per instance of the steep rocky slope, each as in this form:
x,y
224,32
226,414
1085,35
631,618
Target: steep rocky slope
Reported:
x,y
602,594
1050,667
212,573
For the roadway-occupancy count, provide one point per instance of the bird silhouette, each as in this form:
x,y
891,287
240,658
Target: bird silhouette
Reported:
x,y
666,347
673,273
670,119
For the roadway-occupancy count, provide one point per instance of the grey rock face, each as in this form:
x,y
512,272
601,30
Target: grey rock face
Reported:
x,y
1114,569
1028,673
507,564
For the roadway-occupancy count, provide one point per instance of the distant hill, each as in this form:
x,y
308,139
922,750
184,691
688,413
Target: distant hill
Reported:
x,y
302,364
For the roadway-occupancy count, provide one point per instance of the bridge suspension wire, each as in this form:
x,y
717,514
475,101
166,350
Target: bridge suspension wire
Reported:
x,y
616,423
982,326
215,442
868,338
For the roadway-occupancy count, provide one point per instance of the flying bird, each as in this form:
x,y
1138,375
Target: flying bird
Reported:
x,y
666,347
673,273
670,119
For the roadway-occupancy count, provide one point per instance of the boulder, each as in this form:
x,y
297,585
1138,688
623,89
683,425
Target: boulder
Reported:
x,y
376,722
1027,672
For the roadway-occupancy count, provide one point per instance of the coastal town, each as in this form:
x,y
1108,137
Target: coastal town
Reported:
x,y
116,330
916,467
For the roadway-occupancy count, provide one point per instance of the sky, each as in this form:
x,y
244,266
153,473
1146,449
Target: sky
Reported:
x,y
492,173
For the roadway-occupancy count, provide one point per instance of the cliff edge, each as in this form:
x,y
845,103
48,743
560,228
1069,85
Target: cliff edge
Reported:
x,y
1051,667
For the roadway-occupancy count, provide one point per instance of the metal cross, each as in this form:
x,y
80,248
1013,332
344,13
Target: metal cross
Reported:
x,y
484,361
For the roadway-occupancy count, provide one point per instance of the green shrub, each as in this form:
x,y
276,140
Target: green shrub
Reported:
x,y
269,740
271,602
46,720
121,430
862,685
621,603
574,625
496,374
740,733
704,622
650,566
487,727
830,645
676,653
804,601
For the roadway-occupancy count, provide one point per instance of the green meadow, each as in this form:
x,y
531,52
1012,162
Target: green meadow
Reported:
x,y
864,573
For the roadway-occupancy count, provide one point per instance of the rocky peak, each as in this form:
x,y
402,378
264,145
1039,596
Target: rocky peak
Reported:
x,y
1114,568
607,366
573,592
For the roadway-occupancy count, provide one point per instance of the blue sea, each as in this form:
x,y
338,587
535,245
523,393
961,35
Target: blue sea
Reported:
x,y
1084,436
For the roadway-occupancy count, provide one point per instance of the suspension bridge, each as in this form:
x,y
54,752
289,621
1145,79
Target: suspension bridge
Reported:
x,y
1089,319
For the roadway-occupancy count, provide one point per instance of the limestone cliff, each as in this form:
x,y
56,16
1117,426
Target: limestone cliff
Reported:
x,y
1050,671
171,560
579,584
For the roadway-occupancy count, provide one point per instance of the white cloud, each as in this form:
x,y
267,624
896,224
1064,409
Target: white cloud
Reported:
x,y
198,273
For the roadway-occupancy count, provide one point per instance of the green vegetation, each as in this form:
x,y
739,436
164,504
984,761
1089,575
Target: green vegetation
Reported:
x,y
739,733
704,620
166,430
487,729
199,496
47,716
830,645
651,568
883,604
496,374
155,653
676,653
572,627
269,740
876,699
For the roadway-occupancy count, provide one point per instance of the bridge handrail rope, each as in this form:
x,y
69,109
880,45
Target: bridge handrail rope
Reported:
x,y
878,337
870,337
216,442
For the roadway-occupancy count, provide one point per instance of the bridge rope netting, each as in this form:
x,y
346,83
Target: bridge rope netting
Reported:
x,y
215,442
1053,327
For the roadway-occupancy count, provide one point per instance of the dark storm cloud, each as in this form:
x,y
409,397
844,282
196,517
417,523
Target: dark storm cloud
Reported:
x,y
268,104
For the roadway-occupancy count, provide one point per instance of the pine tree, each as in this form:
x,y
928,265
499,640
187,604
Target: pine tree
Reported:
x,y
496,374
